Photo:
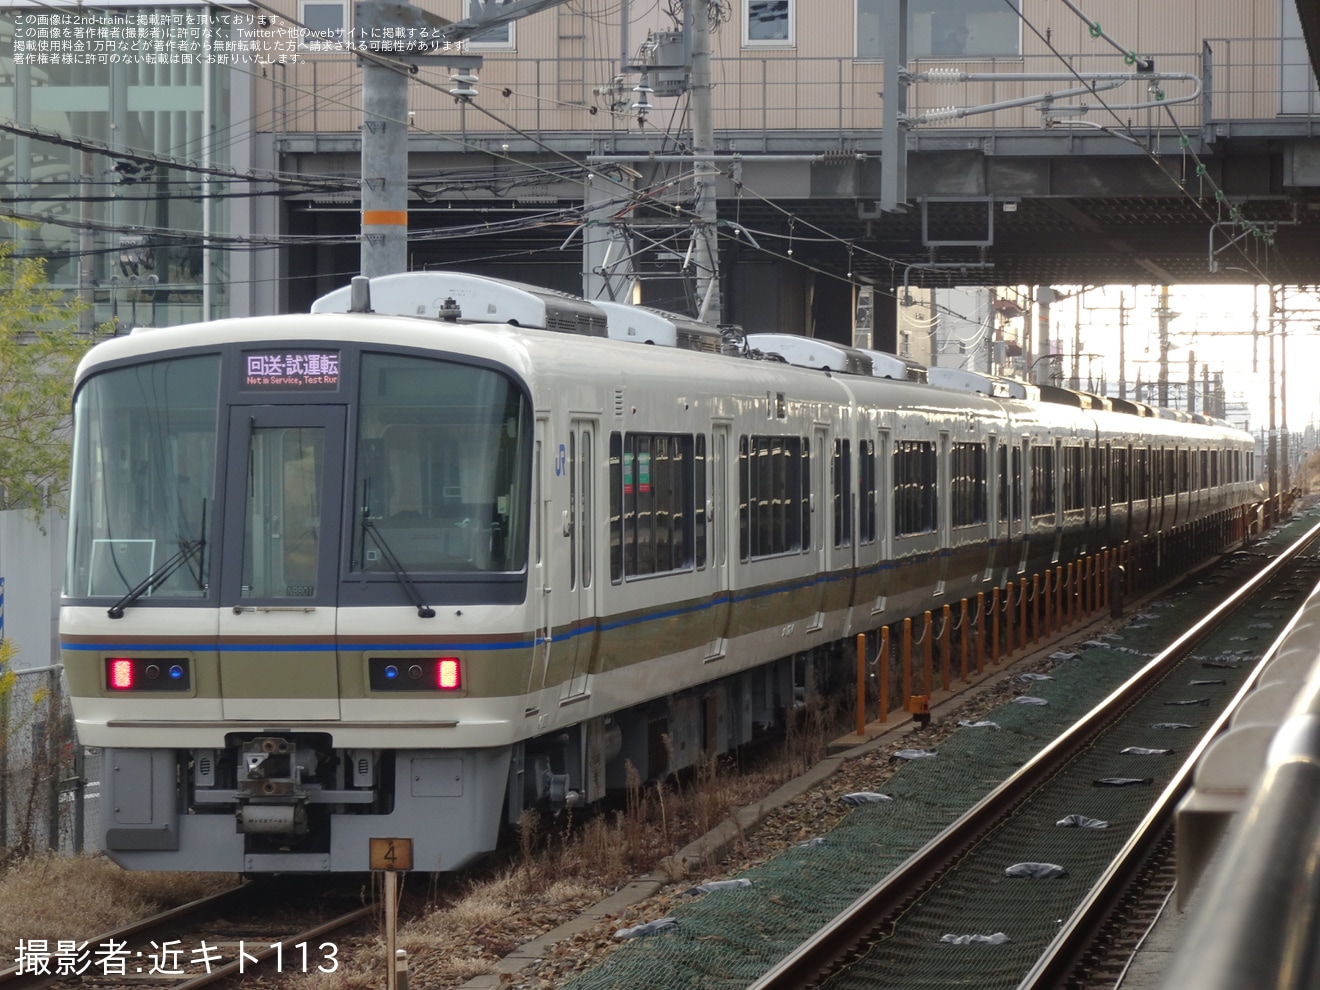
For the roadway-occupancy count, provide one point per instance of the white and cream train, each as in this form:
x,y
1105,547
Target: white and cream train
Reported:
x,y
402,573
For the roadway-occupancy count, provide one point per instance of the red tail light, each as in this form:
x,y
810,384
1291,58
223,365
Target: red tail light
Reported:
x,y
121,674
448,674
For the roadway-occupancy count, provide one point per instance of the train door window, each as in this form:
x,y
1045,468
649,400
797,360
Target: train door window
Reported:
x,y
841,476
1020,505
866,491
916,487
1184,470
718,523
744,495
884,480
968,484
699,469
537,520
586,508
616,507
285,519
1042,499
1005,485
572,509
1099,475
283,523
1204,478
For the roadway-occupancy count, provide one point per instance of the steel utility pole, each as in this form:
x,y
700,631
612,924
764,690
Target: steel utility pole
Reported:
x,y
1283,386
705,235
384,163
1122,347
1272,457
385,73
1164,317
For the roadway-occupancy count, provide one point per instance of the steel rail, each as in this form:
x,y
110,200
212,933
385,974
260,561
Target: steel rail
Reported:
x,y
845,935
1064,952
165,921
240,965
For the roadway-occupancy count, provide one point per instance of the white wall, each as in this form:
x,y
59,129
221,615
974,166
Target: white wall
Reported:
x,y
32,565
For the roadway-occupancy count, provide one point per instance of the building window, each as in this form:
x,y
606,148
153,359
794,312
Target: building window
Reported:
x,y
499,38
323,24
961,29
768,23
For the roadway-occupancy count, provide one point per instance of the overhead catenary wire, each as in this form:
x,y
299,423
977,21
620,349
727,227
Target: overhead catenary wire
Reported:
x,y
1126,127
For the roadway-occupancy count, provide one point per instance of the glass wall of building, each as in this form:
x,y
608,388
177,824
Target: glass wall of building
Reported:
x,y
113,115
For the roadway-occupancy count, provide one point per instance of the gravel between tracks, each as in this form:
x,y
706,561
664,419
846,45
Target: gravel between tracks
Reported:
x,y
540,940
802,809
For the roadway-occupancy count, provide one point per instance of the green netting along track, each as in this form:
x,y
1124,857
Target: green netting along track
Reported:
x,y
728,938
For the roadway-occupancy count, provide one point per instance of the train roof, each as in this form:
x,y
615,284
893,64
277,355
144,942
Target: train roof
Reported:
x,y
485,317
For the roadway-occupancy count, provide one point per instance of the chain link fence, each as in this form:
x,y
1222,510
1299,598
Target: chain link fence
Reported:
x,y
49,786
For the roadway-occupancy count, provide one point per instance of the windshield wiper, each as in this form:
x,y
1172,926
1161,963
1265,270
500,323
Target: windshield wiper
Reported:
x,y
187,549
424,611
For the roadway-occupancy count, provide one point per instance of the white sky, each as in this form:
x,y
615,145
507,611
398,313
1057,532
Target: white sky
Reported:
x,y
1215,323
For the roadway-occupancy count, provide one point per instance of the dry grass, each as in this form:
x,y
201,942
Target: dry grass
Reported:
x,y
559,868
81,897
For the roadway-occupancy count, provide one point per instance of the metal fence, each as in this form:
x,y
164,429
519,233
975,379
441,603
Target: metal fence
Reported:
x,y
1251,79
49,786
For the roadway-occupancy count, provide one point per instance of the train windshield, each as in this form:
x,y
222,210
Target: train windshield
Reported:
x,y
143,474
443,468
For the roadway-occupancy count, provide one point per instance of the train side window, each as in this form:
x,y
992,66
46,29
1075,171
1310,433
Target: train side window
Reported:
x,y
841,475
1042,480
1074,478
1120,483
774,506
916,487
658,494
968,484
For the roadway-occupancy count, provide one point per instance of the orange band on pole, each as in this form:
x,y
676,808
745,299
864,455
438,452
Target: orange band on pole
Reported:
x,y
385,218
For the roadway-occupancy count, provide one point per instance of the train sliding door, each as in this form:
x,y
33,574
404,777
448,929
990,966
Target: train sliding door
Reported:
x,y
279,562
718,530
574,660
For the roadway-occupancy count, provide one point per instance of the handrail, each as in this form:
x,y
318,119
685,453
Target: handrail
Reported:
x,y
1254,920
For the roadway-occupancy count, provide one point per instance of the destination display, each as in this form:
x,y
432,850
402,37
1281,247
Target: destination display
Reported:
x,y
284,370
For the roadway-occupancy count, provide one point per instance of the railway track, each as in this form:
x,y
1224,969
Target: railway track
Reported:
x,y
280,925
1048,931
